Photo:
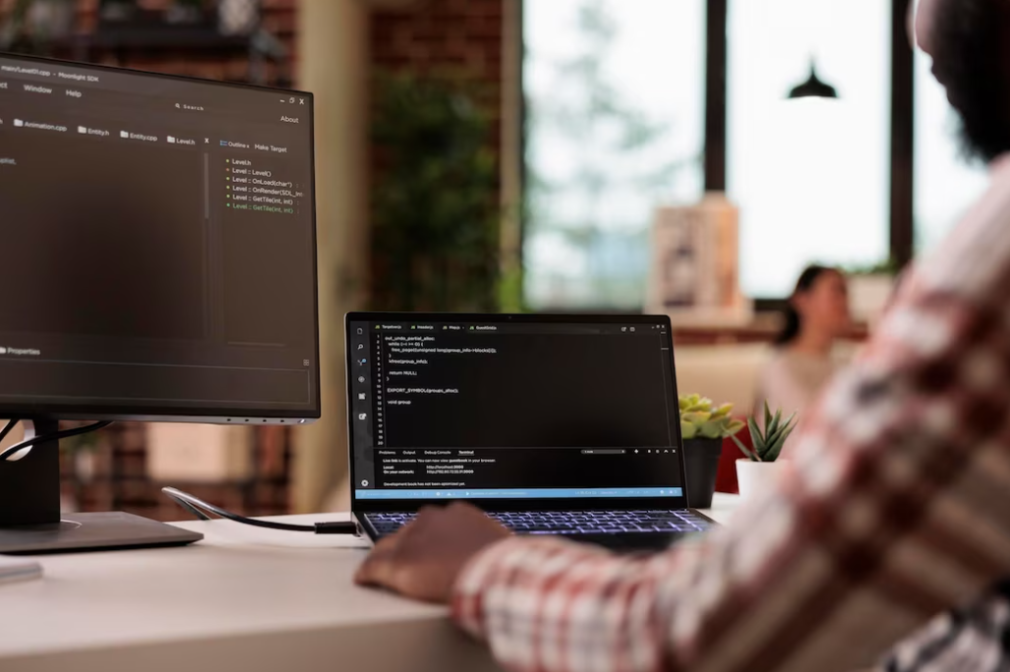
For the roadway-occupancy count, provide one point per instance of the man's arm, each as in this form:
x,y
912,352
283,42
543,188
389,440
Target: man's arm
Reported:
x,y
894,510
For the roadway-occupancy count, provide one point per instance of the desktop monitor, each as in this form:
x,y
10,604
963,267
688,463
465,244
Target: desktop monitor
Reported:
x,y
158,262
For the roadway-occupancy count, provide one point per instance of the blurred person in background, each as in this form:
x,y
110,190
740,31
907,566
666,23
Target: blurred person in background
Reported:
x,y
894,511
816,317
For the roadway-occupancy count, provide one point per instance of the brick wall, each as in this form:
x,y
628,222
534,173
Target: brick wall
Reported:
x,y
435,35
463,38
112,475
279,18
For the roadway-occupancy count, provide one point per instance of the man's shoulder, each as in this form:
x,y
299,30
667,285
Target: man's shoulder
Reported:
x,y
974,259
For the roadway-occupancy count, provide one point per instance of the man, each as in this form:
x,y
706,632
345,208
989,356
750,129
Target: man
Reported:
x,y
896,509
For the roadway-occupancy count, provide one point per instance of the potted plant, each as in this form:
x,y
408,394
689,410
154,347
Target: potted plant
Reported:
x,y
117,11
185,12
762,463
703,429
32,26
435,213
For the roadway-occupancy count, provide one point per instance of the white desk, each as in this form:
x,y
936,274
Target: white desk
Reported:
x,y
723,506
236,601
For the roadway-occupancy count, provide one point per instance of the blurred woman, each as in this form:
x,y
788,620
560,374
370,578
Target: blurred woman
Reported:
x,y
817,316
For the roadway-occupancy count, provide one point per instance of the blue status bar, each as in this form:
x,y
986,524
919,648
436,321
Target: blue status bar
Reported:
x,y
535,493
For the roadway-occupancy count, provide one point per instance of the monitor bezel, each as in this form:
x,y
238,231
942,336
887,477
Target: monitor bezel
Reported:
x,y
167,413
533,504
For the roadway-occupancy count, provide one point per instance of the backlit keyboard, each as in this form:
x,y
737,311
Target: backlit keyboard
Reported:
x,y
571,522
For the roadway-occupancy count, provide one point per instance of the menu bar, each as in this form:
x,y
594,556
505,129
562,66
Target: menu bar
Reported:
x,y
528,493
51,78
476,328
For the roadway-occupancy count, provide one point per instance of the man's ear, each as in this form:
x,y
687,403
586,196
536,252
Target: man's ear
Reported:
x,y
922,19
913,38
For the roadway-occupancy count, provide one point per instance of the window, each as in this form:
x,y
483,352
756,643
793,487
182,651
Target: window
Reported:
x,y
945,183
811,176
614,127
615,93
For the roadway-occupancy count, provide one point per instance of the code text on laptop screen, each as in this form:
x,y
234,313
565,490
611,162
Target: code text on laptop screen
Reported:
x,y
504,410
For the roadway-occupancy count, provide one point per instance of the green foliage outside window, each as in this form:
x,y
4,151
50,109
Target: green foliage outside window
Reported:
x,y
436,216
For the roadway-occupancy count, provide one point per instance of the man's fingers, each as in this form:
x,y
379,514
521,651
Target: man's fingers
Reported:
x,y
426,515
377,571
378,566
387,544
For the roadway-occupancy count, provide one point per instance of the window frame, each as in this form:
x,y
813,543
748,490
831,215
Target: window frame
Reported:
x,y
902,151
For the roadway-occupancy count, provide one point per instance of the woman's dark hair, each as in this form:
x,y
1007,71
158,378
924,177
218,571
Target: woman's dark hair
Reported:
x,y
792,318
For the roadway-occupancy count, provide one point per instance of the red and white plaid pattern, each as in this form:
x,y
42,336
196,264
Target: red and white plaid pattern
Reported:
x,y
896,509
972,639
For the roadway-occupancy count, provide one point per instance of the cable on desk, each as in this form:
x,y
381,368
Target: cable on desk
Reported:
x,y
11,424
192,509
9,453
198,507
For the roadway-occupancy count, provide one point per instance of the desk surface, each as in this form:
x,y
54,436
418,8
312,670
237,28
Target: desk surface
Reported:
x,y
243,599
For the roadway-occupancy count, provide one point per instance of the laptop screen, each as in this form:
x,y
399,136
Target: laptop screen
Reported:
x,y
512,408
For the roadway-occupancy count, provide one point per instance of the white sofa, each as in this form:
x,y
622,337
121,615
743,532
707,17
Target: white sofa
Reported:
x,y
723,373
730,373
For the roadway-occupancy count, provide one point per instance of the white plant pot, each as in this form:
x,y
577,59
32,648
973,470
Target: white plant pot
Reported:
x,y
753,477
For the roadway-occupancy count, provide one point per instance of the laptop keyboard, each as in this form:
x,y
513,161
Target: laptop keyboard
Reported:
x,y
571,522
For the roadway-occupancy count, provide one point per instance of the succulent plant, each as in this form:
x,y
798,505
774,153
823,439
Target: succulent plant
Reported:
x,y
699,420
767,443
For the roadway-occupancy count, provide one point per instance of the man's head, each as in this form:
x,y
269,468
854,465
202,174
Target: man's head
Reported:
x,y
969,41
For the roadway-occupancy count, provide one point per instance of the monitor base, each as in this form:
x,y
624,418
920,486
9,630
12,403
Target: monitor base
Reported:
x,y
79,532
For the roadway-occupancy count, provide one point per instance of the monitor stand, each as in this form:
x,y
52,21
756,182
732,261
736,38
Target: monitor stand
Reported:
x,y
30,518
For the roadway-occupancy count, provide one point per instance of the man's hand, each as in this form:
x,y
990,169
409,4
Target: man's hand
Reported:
x,y
424,559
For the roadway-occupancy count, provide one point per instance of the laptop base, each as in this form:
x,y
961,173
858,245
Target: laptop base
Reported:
x,y
378,525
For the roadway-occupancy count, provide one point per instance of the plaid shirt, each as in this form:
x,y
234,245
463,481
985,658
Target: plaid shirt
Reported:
x,y
896,509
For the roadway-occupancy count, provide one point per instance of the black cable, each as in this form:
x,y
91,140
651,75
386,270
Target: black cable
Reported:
x,y
11,424
192,509
186,501
189,502
55,436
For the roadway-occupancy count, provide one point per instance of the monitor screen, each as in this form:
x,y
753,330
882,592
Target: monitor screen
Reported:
x,y
158,255
512,408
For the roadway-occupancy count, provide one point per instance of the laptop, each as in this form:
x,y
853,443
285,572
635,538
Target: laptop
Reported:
x,y
553,425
